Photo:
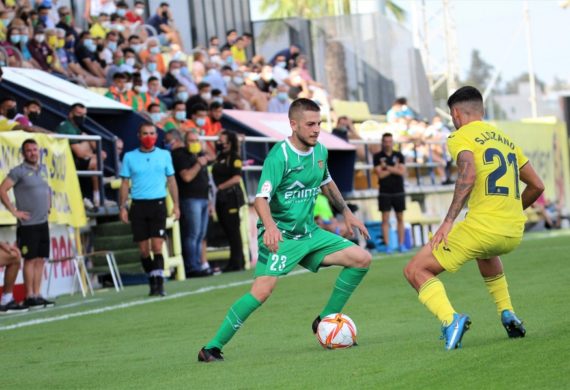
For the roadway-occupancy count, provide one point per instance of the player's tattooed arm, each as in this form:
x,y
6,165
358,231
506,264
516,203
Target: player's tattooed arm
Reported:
x,y
463,185
331,191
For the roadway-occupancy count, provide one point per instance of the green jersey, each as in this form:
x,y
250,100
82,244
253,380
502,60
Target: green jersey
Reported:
x,y
291,180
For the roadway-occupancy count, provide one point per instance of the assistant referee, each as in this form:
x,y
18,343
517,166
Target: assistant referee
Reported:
x,y
149,169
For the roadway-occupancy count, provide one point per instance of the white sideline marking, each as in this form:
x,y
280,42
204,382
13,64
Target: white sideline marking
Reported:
x,y
202,290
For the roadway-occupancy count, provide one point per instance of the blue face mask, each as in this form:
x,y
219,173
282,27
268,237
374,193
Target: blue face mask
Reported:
x,y
156,117
200,122
282,64
89,44
151,66
112,46
184,71
155,50
121,12
24,39
230,60
282,96
180,116
168,147
15,39
182,96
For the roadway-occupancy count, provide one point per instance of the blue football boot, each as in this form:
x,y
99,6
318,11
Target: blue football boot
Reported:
x,y
453,333
512,324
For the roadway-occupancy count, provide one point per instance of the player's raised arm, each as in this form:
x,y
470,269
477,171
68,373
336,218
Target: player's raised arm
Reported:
x,y
534,185
272,235
331,191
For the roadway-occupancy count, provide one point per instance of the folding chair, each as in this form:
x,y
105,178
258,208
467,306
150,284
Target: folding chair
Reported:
x,y
78,265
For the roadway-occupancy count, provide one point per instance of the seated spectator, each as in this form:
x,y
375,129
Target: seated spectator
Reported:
x,y
287,55
135,43
185,77
85,53
8,112
280,103
198,119
41,53
217,96
178,119
119,91
95,7
131,64
238,51
151,95
44,18
280,72
198,66
31,113
84,152
265,83
68,61
399,111
155,114
134,93
110,46
136,15
181,93
203,97
298,88
150,70
163,22
153,49
170,79
227,59
15,38
66,22
214,77
100,28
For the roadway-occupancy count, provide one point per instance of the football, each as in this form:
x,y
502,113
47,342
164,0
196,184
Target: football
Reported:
x,y
336,331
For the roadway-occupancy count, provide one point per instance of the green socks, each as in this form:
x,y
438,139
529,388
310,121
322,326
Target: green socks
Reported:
x,y
345,285
237,314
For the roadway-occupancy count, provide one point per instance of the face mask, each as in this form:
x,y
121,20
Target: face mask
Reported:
x,y
151,66
184,71
6,22
88,43
143,89
227,79
183,96
112,46
219,147
156,117
282,64
180,115
139,11
121,12
67,19
40,38
148,141
254,76
229,60
137,48
79,120
206,95
118,27
155,50
24,39
60,43
218,99
238,80
282,96
106,24
33,116
153,93
128,86
11,113
52,41
200,122
194,147
130,61
15,39
175,72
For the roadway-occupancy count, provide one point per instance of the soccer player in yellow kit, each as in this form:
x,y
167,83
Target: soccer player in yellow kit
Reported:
x,y
489,168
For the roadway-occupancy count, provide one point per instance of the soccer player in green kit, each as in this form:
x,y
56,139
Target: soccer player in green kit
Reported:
x,y
294,173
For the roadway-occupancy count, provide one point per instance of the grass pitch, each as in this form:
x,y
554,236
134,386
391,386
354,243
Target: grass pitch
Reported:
x,y
126,340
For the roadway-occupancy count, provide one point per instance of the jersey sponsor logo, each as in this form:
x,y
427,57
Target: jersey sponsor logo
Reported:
x,y
321,164
266,187
298,192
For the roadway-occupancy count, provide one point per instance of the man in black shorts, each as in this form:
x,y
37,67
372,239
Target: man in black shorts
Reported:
x,y
33,202
149,169
390,168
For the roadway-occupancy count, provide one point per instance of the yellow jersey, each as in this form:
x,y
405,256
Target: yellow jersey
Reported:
x,y
495,204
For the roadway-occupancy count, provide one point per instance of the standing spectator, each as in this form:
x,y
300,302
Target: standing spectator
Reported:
x,y
280,103
231,36
289,55
226,173
33,203
400,111
390,168
213,126
192,180
136,16
149,170
95,7
10,260
238,51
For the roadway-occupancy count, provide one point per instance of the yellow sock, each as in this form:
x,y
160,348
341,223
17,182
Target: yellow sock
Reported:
x,y
432,295
499,289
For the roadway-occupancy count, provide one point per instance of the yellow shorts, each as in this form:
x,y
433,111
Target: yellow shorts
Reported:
x,y
466,243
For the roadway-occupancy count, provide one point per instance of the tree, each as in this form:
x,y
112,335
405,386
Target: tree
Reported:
x,y
479,73
512,87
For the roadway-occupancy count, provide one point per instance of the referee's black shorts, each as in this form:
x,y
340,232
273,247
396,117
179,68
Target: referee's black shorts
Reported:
x,y
33,241
148,219
387,202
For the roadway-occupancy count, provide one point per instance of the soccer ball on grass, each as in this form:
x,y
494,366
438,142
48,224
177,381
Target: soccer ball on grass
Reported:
x,y
336,331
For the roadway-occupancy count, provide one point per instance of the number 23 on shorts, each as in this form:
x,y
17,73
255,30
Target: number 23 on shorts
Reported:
x,y
277,262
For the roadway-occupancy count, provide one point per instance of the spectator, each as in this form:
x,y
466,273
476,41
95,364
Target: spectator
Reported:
x,y
186,78
154,113
101,27
324,217
288,55
66,22
149,170
40,51
170,79
119,91
153,49
390,168
231,36
163,22
265,83
152,94
214,77
213,126
198,66
181,93
10,260
136,16
238,51
130,65
198,118
214,43
399,111
178,120
135,44
95,7
217,96
33,202
84,152
192,180
226,59
280,72
150,70
280,103
44,18
31,113
68,58
8,112
249,91
111,45
203,97
85,53
226,173
14,38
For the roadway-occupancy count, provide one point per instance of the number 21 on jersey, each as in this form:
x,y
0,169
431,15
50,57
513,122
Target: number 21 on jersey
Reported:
x,y
507,167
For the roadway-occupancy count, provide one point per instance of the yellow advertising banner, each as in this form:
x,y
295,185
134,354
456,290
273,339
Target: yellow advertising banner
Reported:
x,y
546,146
55,155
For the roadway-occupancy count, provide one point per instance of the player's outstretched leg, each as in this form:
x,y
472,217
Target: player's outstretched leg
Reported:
x,y
236,316
356,262
421,273
492,272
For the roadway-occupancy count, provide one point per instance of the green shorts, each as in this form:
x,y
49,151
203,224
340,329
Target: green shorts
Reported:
x,y
308,251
